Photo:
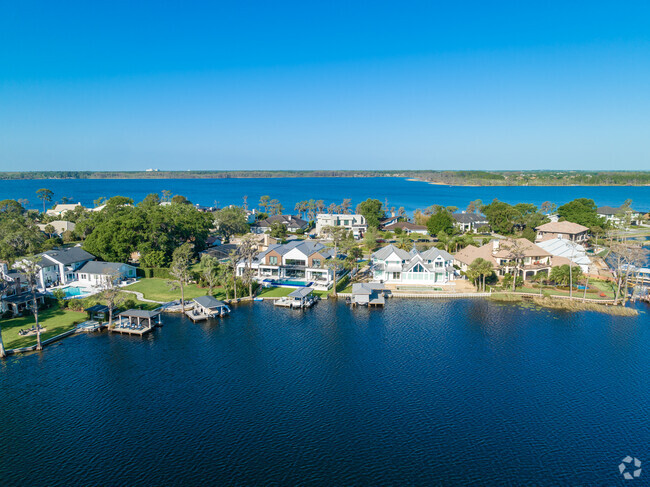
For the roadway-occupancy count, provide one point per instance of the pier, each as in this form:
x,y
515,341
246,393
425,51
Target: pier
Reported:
x,y
207,307
301,298
136,322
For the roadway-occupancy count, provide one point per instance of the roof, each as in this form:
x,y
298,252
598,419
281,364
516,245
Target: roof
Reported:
x,y
66,256
528,248
307,247
469,217
301,292
209,302
221,251
470,253
289,220
94,267
21,298
367,287
139,313
560,247
98,308
610,210
384,252
405,225
64,207
562,227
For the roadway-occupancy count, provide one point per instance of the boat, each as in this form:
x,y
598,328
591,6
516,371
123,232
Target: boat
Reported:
x,y
258,299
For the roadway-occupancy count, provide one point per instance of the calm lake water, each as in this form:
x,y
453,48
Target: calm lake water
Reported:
x,y
421,392
398,192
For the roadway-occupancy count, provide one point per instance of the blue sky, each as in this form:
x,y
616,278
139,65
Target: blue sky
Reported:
x,y
336,85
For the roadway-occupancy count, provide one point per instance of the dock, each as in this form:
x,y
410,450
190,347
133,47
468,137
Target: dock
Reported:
x,y
206,307
301,298
136,322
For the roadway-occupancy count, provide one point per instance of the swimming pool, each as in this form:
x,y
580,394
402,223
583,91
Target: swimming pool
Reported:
x,y
288,283
74,291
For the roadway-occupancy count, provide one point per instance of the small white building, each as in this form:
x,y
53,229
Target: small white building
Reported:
x,y
356,223
619,216
60,210
93,273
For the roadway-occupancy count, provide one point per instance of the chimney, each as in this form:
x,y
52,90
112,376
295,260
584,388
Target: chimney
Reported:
x,y
495,246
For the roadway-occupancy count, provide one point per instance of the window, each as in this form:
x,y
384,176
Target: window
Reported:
x,y
273,260
316,263
418,268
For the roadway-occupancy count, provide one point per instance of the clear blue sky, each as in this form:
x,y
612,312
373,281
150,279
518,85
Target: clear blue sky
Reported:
x,y
339,85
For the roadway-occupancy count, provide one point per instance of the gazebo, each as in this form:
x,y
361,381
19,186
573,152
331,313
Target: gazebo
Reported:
x,y
134,321
98,312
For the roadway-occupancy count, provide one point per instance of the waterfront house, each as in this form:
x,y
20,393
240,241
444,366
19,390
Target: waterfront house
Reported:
x,y
298,262
393,265
60,210
619,216
92,274
565,230
568,249
355,223
368,293
221,252
59,266
506,256
293,224
408,228
59,226
469,222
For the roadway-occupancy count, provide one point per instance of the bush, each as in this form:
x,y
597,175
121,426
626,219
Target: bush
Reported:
x,y
149,272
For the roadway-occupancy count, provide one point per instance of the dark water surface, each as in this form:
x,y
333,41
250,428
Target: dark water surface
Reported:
x,y
421,392
398,192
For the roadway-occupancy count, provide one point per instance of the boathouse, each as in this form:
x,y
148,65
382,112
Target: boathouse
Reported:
x,y
207,307
368,294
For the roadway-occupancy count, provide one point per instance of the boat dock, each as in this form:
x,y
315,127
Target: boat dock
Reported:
x,y
207,307
136,321
301,298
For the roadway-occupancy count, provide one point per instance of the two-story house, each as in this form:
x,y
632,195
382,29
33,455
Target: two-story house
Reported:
x,y
59,266
566,230
355,223
393,265
298,263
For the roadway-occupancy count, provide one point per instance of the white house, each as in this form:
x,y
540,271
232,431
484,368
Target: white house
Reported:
x,y
393,265
298,262
356,223
93,273
408,228
59,210
59,267
469,222
619,216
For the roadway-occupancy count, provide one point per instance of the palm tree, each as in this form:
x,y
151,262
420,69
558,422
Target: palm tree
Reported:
x,y
338,235
232,269
45,195
264,202
345,206
31,271
485,269
405,240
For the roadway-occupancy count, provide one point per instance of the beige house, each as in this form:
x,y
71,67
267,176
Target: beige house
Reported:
x,y
507,256
59,210
60,226
567,230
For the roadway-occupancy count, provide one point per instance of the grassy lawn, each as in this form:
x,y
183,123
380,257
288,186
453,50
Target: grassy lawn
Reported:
x,y
55,320
275,292
158,290
550,291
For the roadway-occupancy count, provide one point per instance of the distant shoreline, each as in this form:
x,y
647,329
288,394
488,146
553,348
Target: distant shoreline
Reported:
x,y
446,178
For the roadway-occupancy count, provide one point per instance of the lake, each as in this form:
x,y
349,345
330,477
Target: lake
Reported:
x,y
425,392
399,192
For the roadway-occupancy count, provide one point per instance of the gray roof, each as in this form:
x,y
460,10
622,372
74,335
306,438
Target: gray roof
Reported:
x,y
94,267
209,302
367,287
307,247
610,210
66,256
469,217
289,220
384,252
301,292
139,313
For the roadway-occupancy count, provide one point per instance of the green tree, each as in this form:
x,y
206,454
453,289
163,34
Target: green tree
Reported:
x,y
529,234
373,212
180,269
210,271
45,195
441,221
337,237
264,203
231,221
501,216
31,272
582,211
180,200
111,293
248,251
278,230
